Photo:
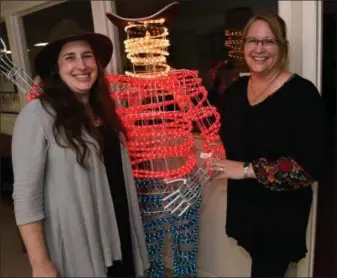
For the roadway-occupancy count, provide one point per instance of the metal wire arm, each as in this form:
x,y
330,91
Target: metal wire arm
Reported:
x,y
15,74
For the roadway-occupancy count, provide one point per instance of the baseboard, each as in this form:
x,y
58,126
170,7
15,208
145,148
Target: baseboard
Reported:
x,y
168,263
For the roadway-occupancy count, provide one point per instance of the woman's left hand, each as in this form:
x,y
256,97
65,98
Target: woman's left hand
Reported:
x,y
227,169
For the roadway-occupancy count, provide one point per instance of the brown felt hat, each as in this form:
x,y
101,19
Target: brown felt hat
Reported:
x,y
168,11
67,31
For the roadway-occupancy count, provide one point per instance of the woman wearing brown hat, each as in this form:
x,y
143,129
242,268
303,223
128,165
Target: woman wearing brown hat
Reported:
x,y
75,200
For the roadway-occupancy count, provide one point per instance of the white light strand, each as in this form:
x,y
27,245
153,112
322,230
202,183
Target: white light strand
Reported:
x,y
148,52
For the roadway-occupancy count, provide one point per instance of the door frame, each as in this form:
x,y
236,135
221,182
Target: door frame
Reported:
x,y
304,24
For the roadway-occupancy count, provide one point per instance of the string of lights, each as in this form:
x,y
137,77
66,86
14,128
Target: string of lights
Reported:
x,y
146,47
233,43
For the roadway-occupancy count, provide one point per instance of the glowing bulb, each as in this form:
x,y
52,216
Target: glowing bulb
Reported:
x,y
148,51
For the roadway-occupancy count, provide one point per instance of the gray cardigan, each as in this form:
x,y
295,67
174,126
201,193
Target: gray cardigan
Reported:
x,y
75,204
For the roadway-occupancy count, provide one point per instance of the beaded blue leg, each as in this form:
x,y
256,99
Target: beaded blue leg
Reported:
x,y
184,242
157,222
154,220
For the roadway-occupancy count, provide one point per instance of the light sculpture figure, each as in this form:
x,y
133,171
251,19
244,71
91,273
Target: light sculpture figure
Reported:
x,y
160,108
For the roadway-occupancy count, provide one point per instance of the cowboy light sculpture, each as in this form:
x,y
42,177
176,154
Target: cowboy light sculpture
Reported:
x,y
159,106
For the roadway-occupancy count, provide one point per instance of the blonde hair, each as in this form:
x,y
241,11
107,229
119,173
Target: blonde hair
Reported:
x,y
278,28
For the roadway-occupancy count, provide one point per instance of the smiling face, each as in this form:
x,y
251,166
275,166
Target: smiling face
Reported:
x,y
77,66
261,57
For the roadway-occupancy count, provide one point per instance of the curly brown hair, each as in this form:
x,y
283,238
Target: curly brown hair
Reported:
x,y
70,114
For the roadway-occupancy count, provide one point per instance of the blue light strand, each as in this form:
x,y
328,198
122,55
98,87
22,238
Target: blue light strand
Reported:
x,y
184,231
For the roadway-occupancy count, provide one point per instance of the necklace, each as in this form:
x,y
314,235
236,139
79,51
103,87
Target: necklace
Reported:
x,y
257,96
96,121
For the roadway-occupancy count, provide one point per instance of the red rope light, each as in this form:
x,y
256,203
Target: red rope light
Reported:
x,y
158,114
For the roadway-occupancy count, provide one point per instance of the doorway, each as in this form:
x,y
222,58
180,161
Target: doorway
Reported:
x,y
326,235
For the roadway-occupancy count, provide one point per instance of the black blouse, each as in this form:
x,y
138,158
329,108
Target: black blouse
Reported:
x,y
283,137
114,170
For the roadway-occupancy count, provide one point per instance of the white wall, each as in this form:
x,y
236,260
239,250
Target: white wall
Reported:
x,y
7,123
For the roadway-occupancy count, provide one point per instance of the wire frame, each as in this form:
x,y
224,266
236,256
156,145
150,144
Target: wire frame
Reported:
x,y
16,75
159,114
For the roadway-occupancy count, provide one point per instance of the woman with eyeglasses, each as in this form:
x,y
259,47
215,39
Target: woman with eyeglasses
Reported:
x,y
273,132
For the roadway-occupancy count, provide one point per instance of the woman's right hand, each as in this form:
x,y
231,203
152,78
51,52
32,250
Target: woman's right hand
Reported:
x,y
46,269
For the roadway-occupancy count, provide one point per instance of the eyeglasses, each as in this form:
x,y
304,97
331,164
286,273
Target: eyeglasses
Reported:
x,y
253,42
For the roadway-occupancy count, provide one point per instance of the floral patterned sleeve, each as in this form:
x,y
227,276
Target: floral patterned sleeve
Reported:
x,y
283,175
